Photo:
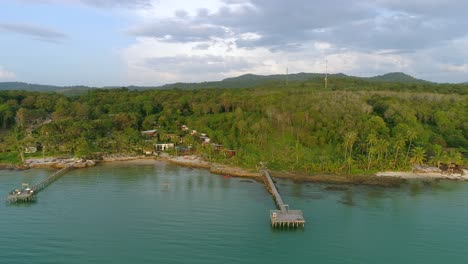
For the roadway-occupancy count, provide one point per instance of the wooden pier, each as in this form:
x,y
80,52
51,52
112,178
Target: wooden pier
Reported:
x,y
282,218
29,194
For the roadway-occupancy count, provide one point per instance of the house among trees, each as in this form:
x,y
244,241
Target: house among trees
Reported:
x,y
184,128
205,139
217,147
230,152
164,146
150,133
30,149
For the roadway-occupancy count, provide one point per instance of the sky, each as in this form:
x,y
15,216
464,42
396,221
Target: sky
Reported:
x,y
154,42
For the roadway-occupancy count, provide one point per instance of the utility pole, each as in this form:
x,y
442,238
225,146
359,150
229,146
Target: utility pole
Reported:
x,y
326,74
287,76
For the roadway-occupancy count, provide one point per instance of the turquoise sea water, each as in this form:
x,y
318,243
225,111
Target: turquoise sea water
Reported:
x,y
154,212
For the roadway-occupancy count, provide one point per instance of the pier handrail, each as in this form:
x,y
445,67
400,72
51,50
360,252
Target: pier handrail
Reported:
x,y
274,191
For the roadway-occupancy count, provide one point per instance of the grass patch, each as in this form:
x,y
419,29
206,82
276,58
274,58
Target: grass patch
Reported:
x,y
10,158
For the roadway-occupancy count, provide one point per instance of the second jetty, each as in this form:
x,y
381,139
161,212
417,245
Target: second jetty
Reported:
x,y
282,218
28,194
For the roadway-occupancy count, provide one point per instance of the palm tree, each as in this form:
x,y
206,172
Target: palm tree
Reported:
x,y
439,156
418,156
349,140
381,148
398,144
371,141
454,157
372,152
410,135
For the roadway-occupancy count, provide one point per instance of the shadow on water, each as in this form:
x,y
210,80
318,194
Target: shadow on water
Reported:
x,y
348,198
190,184
377,193
165,187
314,196
415,188
22,204
334,188
249,181
287,229
297,190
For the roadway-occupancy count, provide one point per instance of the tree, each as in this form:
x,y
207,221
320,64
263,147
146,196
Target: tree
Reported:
x,y
349,140
371,150
410,135
381,148
418,156
454,157
398,144
438,157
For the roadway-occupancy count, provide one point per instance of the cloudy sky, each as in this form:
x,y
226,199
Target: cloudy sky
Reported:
x,y
152,42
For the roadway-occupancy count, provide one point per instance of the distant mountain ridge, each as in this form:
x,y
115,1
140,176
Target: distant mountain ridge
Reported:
x,y
397,77
68,90
242,81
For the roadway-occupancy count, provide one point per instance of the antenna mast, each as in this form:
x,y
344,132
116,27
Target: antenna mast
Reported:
x,y
326,74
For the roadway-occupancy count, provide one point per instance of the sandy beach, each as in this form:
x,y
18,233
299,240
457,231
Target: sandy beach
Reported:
x,y
424,175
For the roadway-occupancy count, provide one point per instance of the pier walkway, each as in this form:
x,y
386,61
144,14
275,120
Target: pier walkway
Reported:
x,y
28,194
283,217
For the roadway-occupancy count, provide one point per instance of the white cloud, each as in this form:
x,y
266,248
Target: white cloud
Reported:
x,y
6,75
151,62
39,32
457,68
96,3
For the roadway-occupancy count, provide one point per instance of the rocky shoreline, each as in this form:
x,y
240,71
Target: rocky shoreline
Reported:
x,y
196,162
58,163
384,179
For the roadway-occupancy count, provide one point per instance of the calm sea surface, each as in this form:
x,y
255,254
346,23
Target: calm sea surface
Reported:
x,y
152,212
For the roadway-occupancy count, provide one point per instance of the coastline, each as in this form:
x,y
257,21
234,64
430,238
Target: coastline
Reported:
x,y
216,168
382,179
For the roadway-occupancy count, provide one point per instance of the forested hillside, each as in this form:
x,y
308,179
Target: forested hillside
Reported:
x,y
355,126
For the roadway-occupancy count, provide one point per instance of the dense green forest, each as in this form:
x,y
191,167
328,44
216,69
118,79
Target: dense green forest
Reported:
x,y
354,126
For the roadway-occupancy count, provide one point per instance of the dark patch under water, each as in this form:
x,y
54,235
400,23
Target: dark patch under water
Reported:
x,y
336,188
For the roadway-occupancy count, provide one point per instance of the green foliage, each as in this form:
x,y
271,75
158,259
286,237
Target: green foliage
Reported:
x,y
9,158
355,126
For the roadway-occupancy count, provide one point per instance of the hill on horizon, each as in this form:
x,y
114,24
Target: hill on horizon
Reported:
x,y
242,81
397,77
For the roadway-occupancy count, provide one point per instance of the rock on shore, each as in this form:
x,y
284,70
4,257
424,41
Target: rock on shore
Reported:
x,y
58,163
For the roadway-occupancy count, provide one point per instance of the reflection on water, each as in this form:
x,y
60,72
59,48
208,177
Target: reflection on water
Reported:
x,y
415,188
376,193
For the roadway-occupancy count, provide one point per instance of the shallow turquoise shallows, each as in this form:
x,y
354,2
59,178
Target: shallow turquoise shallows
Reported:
x,y
152,212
